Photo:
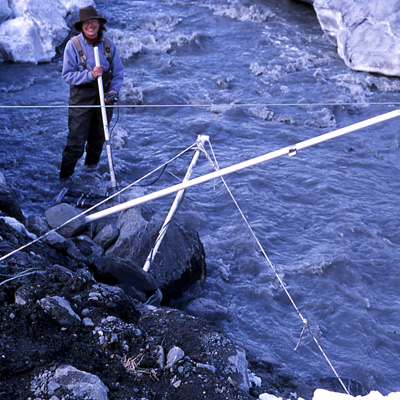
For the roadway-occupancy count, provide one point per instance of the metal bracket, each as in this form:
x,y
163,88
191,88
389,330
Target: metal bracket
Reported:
x,y
292,152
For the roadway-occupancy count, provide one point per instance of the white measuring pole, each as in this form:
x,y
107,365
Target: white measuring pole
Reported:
x,y
104,117
290,150
200,142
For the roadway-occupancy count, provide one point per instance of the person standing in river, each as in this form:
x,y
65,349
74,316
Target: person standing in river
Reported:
x,y
80,72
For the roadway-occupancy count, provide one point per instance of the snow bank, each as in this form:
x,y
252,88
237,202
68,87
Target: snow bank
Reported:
x,y
321,394
30,30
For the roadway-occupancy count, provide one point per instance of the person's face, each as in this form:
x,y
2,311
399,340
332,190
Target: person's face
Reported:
x,y
91,28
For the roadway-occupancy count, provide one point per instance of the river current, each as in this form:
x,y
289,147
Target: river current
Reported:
x,y
254,76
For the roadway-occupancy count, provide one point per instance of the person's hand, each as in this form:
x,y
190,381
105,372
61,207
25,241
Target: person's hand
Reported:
x,y
97,71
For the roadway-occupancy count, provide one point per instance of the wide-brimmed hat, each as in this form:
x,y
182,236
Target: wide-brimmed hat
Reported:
x,y
88,13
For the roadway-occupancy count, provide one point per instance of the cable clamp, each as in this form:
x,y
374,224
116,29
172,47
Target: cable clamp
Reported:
x,y
305,325
292,151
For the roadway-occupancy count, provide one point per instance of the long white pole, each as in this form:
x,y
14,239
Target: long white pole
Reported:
x,y
200,141
289,150
104,117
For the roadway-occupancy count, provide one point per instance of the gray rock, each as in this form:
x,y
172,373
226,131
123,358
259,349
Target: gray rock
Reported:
x,y
87,322
132,234
80,384
206,366
23,295
174,355
106,236
74,252
62,213
160,357
88,248
9,203
18,226
239,367
56,241
37,225
60,310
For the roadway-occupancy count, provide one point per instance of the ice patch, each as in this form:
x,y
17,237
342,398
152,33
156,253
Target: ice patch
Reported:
x,y
321,394
35,29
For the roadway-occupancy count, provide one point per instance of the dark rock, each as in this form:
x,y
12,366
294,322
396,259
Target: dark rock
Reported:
x,y
106,236
58,215
209,309
180,260
132,278
8,202
88,248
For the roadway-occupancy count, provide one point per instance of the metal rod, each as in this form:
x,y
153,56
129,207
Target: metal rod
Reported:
x,y
150,258
104,117
289,150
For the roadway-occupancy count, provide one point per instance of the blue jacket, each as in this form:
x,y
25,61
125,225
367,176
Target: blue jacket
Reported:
x,y
74,73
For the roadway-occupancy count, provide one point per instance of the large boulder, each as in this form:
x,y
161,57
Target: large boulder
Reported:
x,y
180,260
366,32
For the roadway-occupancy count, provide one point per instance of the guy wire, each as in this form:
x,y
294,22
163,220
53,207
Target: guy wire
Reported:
x,y
304,320
327,104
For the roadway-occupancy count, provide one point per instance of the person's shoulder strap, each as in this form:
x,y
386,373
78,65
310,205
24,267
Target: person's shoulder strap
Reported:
x,y
78,46
107,48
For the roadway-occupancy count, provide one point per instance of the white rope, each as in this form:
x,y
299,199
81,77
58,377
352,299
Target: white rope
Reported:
x,y
98,204
304,321
327,104
27,272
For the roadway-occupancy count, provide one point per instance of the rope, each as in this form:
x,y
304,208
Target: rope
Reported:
x,y
27,272
327,104
118,193
303,320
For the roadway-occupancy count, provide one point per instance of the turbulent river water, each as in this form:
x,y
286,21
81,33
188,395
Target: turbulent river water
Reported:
x,y
255,76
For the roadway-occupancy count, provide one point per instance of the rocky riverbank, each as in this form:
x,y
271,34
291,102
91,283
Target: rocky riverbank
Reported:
x,y
79,319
